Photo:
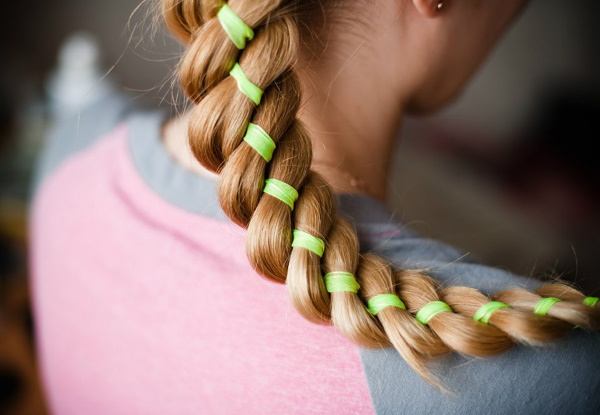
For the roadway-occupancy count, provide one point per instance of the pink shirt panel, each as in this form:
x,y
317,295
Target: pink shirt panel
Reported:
x,y
144,308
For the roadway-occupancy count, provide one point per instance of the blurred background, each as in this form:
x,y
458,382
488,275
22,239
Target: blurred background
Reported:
x,y
507,173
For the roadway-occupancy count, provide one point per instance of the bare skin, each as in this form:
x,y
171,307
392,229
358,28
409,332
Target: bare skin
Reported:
x,y
406,57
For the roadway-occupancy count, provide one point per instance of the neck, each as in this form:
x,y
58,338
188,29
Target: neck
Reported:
x,y
354,126
353,112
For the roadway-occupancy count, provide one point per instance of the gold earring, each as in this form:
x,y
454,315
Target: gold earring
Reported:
x,y
440,5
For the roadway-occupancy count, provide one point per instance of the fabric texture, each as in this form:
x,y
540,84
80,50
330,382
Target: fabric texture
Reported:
x,y
144,302
142,308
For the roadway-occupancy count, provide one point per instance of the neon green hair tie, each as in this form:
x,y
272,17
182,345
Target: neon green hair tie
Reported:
x,y
338,281
260,141
281,191
248,88
485,311
237,30
544,305
430,310
381,301
305,240
590,301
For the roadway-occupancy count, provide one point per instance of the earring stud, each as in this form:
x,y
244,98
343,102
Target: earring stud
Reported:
x,y
440,5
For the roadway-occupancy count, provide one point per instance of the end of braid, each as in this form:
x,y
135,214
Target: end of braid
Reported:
x,y
520,326
570,313
562,290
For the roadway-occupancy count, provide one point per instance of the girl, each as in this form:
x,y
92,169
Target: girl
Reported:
x,y
147,242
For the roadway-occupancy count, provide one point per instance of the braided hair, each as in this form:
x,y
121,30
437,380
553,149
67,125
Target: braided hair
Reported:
x,y
368,300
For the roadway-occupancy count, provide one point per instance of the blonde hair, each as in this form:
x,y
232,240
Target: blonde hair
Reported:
x,y
216,128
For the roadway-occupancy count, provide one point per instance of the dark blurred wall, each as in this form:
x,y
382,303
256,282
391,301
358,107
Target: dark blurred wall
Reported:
x,y
553,42
31,33
506,172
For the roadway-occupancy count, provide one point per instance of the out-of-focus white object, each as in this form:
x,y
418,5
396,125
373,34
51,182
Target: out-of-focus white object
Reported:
x,y
77,81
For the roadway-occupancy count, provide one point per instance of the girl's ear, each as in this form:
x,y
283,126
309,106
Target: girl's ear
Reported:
x,y
429,8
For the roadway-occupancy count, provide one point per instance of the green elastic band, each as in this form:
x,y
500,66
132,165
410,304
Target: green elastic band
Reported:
x,y
260,141
305,240
338,281
542,306
590,301
237,30
281,191
485,311
381,301
430,310
248,88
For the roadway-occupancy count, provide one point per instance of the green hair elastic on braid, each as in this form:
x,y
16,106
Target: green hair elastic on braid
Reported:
x,y
381,301
260,141
306,240
544,305
245,85
281,191
485,311
237,30
341,281
590,301
430,310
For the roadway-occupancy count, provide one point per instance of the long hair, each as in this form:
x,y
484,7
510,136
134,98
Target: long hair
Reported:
x,y
217,126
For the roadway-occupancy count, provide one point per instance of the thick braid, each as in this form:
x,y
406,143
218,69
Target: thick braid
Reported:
x,y
457,331
223,112
566,292
210,54
269,239
572,313
588,315
313,215
413,340
518,325
348,312
289,211
239,189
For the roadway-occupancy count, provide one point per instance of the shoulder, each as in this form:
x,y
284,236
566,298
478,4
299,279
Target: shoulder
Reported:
x,y
446,264
561,378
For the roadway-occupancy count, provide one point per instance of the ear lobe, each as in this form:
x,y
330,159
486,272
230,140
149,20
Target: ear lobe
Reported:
x,y
428,8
